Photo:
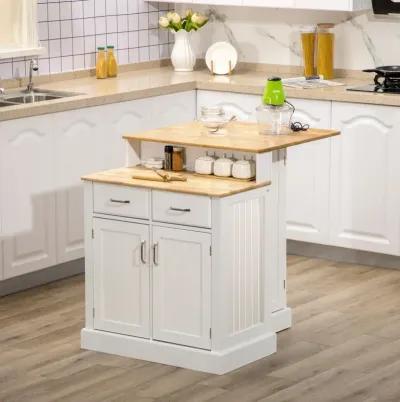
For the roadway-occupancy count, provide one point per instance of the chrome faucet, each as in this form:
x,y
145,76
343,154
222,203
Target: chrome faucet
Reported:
x,y
33,66
2,90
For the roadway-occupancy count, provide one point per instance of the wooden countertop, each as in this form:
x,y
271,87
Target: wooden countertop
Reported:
x,y
239,136
198,185
157,80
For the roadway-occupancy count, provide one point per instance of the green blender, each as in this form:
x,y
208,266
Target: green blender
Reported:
x,y
274,116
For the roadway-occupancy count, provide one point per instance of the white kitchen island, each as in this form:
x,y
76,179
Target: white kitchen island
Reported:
x,y
191,274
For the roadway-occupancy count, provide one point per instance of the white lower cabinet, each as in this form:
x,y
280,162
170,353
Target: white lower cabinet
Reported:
x,y
365,170
42,159
121,277
308,165
182,287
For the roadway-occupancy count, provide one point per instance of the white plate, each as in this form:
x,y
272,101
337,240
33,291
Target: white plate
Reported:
x,y
220,53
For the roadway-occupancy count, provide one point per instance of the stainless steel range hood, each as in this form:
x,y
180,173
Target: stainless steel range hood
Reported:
x,y
386,6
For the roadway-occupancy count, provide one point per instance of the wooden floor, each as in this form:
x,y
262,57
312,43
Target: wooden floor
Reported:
x,y
344,346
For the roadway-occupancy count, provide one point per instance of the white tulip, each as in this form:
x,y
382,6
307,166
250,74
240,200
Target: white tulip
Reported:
x,y
175,18
164,22
198,19
169,15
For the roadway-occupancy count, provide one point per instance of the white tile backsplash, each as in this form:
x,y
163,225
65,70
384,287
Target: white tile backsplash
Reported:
x,y
71,30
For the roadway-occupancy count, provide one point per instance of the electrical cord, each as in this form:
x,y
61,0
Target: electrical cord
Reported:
x,y
297,126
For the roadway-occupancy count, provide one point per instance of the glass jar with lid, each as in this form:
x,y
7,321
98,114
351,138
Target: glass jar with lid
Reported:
x,y
325,50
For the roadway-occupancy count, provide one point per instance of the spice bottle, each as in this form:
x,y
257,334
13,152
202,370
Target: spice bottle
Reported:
x,y
101,63
177,159
168,150
112,65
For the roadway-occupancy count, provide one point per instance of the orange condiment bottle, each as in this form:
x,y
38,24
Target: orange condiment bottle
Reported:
x,y
101,63
112,65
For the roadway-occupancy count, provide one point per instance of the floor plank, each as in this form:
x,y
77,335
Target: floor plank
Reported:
x,y
344,346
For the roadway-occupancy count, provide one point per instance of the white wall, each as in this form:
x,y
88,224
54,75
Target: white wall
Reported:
x,y
272,36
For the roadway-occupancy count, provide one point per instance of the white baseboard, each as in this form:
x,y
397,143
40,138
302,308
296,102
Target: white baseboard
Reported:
x,y
215,362
282,319
341,254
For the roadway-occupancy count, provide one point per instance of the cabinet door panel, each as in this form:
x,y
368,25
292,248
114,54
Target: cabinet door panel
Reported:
x,y
307,202
78,150
121,278
27,195
181,287
365,211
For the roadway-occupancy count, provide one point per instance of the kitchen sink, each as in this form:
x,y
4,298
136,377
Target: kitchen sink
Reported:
x,y
32,98
37,95
4,104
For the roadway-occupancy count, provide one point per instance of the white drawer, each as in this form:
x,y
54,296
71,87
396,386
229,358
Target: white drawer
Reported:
x,y
184,209
120,200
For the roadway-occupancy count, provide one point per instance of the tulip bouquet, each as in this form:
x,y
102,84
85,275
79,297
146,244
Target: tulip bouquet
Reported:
x,y
190,21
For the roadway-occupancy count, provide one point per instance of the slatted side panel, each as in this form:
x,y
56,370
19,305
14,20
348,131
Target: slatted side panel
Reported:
x,y
246,269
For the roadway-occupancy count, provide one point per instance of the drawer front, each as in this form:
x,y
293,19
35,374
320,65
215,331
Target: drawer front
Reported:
x,y
122,201
183,209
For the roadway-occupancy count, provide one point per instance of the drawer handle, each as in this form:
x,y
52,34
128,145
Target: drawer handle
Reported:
x,y
143,251
179,209
120,201
155,253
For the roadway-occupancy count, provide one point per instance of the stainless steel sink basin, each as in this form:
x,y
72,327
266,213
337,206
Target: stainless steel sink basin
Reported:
x,y
37,95
5,104
32,98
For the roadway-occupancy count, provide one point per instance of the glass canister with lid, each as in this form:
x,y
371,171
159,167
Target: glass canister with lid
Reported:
x,y
325,50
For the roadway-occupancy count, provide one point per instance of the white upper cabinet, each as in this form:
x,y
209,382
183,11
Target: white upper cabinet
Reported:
x,y
18,29
336,5
333,5
269,3
365,188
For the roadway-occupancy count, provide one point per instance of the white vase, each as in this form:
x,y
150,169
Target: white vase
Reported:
x,y
182,56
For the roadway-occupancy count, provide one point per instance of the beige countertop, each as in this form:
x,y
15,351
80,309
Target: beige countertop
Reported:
x,y
199,185
163,80
239,136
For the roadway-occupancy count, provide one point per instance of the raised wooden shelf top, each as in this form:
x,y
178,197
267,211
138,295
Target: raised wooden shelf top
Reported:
x,y
239,136
199,185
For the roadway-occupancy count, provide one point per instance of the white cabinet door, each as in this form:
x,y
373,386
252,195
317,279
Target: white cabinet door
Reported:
x,y
27,195
124,118
181,287
243,106
365,191
79,150
307,209
121,277
173,109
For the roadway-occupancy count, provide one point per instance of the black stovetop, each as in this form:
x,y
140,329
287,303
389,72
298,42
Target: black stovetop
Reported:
x,y
375,89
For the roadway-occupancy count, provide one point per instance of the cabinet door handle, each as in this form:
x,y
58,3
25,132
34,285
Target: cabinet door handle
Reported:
x,y
155,253
143,251
120,201
179,209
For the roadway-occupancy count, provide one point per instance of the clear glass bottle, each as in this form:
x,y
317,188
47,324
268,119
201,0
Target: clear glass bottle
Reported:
x,y
325,50
101,63
112,65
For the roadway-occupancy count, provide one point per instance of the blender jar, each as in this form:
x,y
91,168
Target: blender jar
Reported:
x,y
275,120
